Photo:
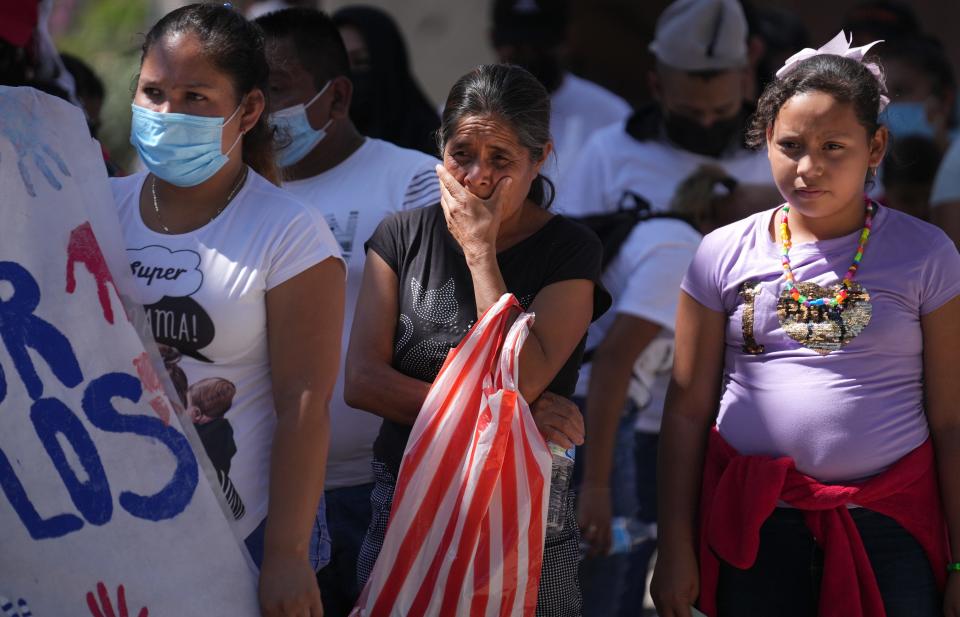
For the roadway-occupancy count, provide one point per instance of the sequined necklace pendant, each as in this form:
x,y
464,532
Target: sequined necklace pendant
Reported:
x,y
820,319
821,327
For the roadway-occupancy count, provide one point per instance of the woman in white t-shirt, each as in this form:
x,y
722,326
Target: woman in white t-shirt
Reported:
x,y
242,286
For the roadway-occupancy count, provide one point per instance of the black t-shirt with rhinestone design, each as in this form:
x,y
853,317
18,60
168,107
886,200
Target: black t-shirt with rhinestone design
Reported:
x,y
437,304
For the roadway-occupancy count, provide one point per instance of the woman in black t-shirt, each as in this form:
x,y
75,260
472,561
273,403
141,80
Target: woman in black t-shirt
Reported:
x,y
431,272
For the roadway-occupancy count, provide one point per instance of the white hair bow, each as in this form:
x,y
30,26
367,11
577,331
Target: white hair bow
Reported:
x,y
838,46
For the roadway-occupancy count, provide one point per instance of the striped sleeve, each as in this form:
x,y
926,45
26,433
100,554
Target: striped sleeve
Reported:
x,y
423,190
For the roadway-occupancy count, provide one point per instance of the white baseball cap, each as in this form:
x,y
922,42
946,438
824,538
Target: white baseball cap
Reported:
x,y
701,35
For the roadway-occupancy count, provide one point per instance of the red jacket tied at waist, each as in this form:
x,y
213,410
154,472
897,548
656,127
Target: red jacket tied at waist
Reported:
x,y
740,492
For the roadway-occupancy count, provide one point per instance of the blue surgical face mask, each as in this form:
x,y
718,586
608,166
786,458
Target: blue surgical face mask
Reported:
x,y
907,118
295,135
180,148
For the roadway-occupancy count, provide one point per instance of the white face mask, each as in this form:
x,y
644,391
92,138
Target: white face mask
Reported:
x,y
295,135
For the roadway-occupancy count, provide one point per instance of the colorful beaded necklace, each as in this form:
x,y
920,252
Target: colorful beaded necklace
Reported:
x,y
840,297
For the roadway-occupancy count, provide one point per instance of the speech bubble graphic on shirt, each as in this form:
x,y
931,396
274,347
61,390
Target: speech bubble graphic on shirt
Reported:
x,y
161,272
181,323
166,280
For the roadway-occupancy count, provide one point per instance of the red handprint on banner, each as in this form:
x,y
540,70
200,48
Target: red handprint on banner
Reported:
x,y
151,383
105,607
83,249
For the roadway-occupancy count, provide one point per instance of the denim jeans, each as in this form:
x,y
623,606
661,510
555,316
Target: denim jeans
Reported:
x,y
348,516
602,578
785,580
638,561
318,552
614,585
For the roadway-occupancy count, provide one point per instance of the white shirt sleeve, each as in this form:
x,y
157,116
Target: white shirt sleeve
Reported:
x,y
305,242
946,186
580,192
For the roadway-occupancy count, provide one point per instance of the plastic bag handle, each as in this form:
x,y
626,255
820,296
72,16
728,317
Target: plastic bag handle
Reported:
x,y
512,346
492,317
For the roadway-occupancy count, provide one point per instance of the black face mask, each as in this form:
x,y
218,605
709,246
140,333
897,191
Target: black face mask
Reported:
x,y
705,140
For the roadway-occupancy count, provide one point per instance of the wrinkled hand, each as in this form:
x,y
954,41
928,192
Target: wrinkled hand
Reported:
x,y
594,512
288,588
676,583
559,420
22,126
473,222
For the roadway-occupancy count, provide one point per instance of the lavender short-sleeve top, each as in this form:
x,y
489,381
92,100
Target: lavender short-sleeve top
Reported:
x,y
840,392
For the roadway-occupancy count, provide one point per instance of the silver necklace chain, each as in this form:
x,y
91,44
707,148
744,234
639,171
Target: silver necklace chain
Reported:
x,y
233,193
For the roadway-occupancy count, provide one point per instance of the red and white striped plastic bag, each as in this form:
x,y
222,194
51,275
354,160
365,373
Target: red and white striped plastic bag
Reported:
x,y
469,511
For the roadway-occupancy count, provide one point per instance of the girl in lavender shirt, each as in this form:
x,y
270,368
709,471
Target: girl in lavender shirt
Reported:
x,y
798,335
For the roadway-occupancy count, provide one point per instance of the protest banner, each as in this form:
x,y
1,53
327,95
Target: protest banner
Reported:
x,y
106,500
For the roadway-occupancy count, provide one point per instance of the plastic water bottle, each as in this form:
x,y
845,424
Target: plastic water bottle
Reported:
x,y
626,533
560,475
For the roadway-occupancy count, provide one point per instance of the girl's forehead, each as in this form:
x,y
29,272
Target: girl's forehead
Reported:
x,y
817,112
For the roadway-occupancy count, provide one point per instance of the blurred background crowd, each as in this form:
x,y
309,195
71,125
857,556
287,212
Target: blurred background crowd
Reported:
x,y
604,41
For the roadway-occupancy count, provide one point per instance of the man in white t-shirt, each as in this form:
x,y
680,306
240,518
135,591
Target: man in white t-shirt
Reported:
x,y
354,182
621,390
530,33
698,118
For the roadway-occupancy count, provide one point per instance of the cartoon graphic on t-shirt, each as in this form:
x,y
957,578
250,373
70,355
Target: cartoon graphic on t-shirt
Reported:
x,y
207,402
168,280
182,327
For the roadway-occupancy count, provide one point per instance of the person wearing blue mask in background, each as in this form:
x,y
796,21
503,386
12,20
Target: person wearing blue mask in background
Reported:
x,y
922,90
922,118
241,283
353,181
